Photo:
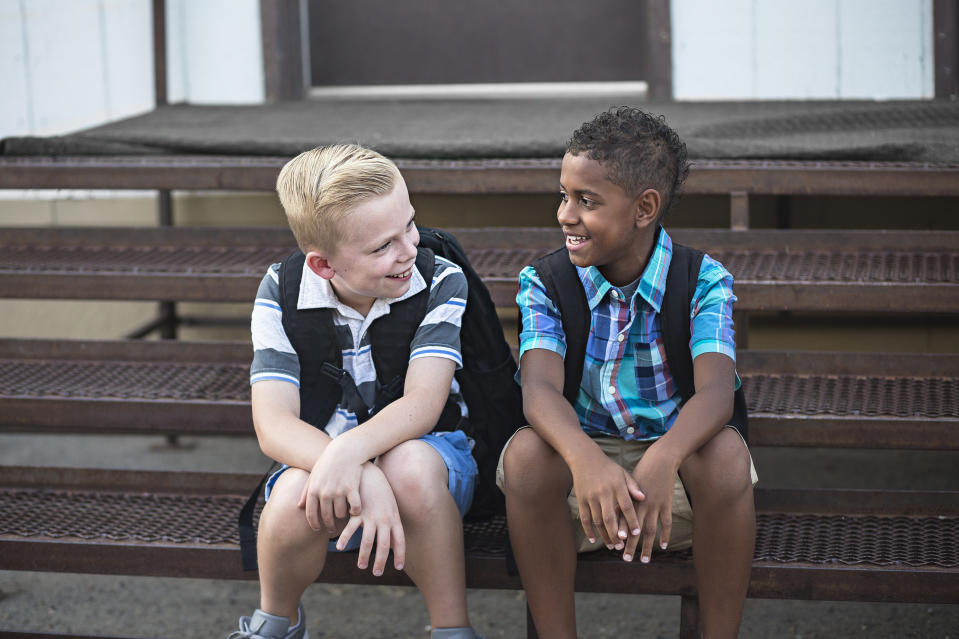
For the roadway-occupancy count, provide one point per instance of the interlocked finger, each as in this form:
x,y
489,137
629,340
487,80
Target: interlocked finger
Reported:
x,y
351,527
633,540
649,536
366,547
382,549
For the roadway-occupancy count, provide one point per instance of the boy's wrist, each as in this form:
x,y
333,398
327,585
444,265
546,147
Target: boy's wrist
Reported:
x,y
584,456
664,449
345,449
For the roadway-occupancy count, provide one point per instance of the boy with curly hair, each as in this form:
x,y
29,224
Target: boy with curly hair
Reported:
x,y
627,462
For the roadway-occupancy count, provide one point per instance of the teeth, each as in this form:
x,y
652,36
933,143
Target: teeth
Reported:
x,y
576,239
402,275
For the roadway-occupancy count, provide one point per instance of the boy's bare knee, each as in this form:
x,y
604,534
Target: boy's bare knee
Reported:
x,y
533,467
418,476
719,472
282,522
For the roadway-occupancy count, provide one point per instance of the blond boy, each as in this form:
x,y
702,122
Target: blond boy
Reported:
x,y
348,479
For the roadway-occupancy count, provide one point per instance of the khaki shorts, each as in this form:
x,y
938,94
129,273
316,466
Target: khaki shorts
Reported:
x,y
627,454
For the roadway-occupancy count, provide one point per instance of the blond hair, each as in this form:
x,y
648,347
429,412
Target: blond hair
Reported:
x,y
318,188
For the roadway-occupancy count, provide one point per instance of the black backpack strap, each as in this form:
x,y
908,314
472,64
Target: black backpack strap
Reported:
x,y
313,336
565,289
681,280
245,524
674,316
392,334
323,383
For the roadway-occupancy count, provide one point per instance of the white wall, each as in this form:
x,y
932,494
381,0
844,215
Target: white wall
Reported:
x,y
214,52
814,49
70,64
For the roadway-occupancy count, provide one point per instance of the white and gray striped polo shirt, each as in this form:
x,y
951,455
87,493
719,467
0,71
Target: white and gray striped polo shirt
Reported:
x,y
437,336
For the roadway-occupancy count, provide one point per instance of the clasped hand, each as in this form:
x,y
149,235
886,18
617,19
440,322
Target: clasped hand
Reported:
x,y
605,494
333,490
622,508
340,487
656,475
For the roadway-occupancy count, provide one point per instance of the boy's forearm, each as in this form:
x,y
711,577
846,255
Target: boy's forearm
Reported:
x,y
413,415
291,441
555,420
400,421
282,435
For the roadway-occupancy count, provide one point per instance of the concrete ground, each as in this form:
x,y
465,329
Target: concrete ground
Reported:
x,y
162,607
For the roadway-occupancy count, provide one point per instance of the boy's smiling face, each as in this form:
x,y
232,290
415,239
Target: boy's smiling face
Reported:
x,y
603,225
378,253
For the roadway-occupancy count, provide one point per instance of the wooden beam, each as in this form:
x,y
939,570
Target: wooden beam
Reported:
x,y
657,54
282,49
159,52
946,47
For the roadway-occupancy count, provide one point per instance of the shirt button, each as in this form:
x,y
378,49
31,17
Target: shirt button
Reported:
x,y
614,293
630,430
612,390
620,337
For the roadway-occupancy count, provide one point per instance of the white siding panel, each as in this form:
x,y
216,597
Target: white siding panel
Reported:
x,y
713,49
814,49
128,49
796,49
215,55
65,64
176,53
886,47
14,98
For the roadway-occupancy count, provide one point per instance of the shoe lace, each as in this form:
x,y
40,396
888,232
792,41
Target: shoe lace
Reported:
x,y
244,632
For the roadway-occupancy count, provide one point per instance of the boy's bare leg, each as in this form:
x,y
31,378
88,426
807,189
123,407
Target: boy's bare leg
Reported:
x,y
290,554
433,529
724,530
540,530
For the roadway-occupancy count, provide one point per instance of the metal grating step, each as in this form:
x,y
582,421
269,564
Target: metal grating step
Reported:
x,y
853,396
774,270
795,399
146,517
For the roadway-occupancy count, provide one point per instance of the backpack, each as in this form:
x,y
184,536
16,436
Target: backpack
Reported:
x,y
566,291
486,379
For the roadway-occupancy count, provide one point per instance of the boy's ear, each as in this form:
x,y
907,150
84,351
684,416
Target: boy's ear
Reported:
x,y
319,265
647,207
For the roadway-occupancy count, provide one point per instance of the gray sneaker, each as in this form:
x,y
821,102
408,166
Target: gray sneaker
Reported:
x,y
266,626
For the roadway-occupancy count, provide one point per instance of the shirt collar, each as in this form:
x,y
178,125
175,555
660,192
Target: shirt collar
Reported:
x,y
652,283
316,292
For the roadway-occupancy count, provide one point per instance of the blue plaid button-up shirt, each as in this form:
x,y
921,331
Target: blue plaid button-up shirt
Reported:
x,y
627,390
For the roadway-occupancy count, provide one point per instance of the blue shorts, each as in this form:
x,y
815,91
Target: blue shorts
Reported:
x,y
454,447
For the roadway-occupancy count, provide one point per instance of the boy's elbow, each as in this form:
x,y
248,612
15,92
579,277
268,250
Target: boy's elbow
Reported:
x,y
536,396
261,438
725,405
728,410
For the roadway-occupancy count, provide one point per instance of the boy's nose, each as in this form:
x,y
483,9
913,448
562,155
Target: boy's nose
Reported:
x,y
412,241
565,214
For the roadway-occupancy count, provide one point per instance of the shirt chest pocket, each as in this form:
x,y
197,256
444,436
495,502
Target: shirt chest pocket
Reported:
x,y
653,381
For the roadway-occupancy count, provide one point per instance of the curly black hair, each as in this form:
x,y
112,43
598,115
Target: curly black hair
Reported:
x,y
638,150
